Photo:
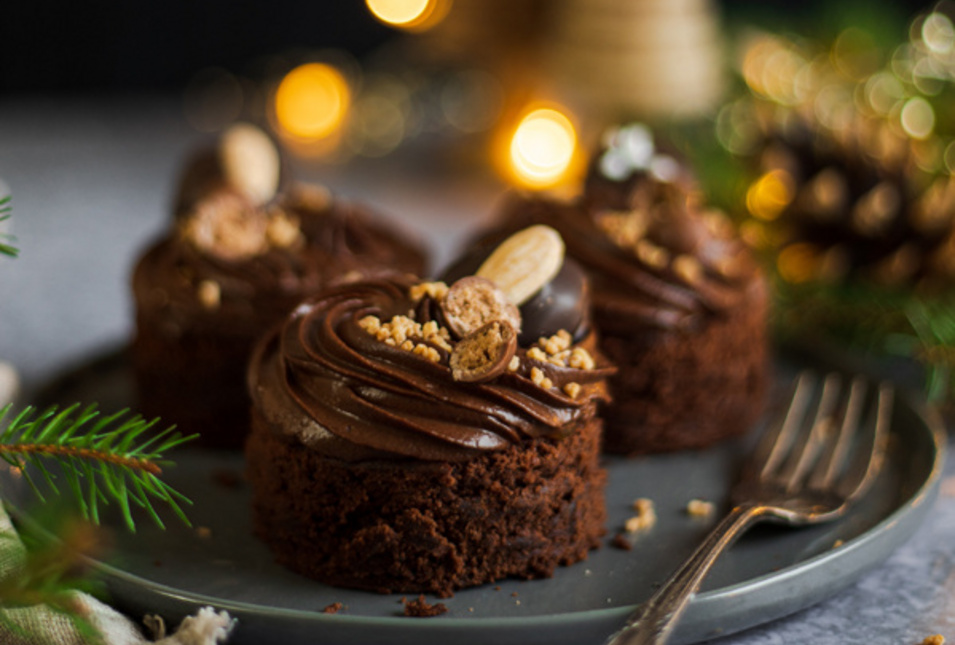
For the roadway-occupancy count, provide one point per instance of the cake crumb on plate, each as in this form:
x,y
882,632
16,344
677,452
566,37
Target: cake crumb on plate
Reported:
x,y
700,508
419,608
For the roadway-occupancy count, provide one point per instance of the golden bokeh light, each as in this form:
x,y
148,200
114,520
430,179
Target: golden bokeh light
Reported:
x,y
798,263
917,118
312,101
769,195
411,15
542,148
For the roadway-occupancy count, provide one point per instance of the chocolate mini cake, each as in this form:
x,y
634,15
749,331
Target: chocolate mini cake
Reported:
x,y
679,303
404,440
242,252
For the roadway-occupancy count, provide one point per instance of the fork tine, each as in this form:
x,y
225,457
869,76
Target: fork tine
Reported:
x,y
806,454
774,444
860,477
835,460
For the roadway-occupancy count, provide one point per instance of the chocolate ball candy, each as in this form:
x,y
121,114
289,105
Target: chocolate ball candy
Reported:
x,y
562,303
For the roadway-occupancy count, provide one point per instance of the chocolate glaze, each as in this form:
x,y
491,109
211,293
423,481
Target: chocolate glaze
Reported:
x,y
339,240
629,294
344,393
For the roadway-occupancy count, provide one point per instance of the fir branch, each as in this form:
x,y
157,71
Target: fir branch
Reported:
x,y
102,459
5,209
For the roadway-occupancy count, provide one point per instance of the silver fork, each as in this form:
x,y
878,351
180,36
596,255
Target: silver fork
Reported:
x,y
800,473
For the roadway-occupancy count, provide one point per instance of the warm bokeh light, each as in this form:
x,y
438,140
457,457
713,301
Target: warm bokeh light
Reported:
x,y
798,263
412,15
917,118
769,195
542,148
311,101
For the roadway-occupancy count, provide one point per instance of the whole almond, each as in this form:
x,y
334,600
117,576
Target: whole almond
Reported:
x,y
250,162
525,262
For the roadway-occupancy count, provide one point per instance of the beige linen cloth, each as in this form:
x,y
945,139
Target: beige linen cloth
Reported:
x,y
41,625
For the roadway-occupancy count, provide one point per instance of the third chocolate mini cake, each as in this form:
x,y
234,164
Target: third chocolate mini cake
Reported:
x,y
679,303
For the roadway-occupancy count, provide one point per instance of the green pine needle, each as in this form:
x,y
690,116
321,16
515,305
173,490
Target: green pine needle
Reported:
x,y
5,210
102,459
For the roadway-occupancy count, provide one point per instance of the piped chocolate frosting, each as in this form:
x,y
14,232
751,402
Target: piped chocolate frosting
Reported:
x,y
362,371
656,257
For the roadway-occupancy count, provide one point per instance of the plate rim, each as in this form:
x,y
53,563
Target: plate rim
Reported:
x,y
924,495
931,424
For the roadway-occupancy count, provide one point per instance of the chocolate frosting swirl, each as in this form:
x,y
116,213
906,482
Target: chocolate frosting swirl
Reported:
x,y
629,291
341,391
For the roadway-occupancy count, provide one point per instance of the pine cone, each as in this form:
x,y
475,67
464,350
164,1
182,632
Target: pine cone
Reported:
x,y
845,194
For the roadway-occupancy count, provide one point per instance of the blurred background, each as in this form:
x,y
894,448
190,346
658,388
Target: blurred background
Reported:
x,y
430,109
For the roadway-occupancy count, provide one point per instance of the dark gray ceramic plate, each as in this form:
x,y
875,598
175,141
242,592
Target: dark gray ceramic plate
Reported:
x,y
770,573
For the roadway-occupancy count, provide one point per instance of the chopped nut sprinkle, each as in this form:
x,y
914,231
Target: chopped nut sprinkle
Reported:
x,y
560,358
539,379
581,359
437,290
405,333
624,228
210,295
282,230
535,353
370,324
428,352
652,255
514,365
572,390
645,518
225,225
557,343
688,268
700,508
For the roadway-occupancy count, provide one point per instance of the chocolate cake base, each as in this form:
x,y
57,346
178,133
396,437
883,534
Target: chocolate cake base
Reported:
x,y
196,381
427,527
680,390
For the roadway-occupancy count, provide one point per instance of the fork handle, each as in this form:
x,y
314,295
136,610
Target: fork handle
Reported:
x,y
653,622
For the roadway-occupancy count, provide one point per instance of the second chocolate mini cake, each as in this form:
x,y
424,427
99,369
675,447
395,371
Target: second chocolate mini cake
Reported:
x,y
679,303
404,440
245,247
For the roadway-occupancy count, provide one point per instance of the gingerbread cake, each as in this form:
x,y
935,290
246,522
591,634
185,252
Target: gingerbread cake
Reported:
x,y
245,246
404,440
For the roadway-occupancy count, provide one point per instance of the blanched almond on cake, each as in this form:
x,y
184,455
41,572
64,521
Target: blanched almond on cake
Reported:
x,y
485,353
472,302
250,162
525,262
